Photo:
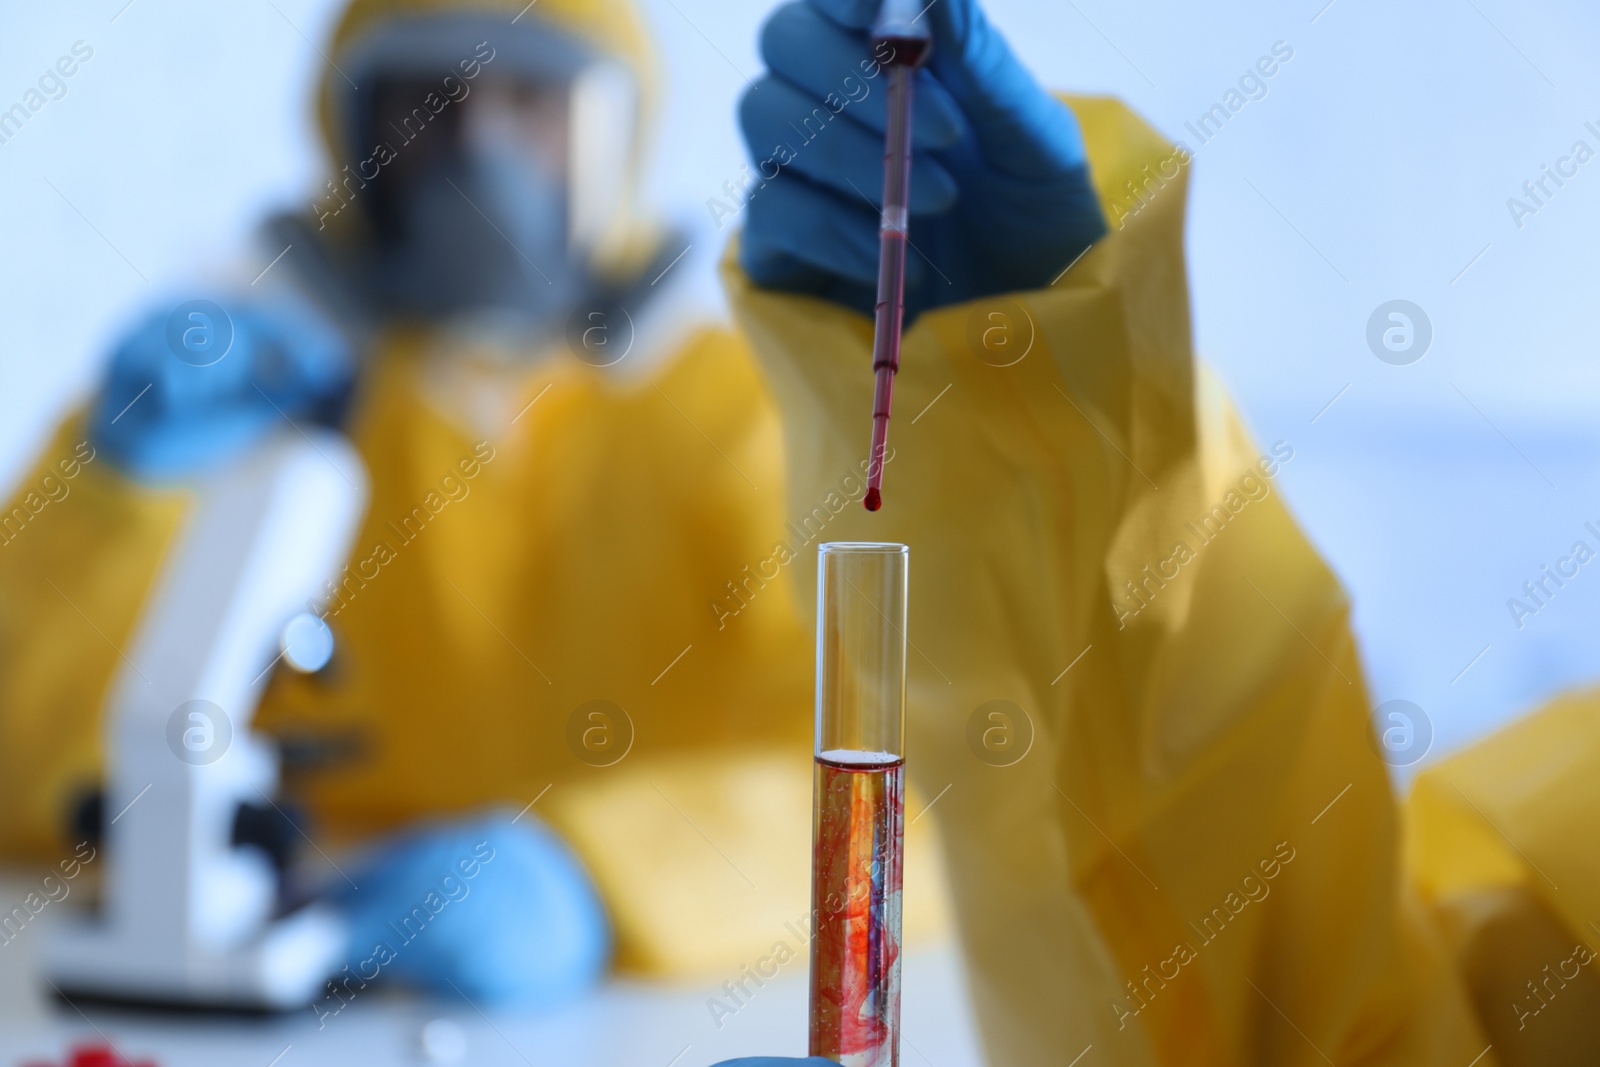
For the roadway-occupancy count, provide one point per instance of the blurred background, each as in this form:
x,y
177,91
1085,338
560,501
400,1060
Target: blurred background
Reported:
x,y
1381,163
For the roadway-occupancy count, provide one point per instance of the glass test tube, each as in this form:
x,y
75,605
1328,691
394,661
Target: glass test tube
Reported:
x,y
859,816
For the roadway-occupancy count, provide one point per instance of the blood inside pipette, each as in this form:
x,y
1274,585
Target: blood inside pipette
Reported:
x,y
905,54
904,51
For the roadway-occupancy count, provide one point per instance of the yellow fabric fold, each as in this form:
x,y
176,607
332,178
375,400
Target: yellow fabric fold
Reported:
x,y
1499,840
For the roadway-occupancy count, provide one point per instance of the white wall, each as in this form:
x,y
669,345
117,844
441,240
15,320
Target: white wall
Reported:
x,y
1378,166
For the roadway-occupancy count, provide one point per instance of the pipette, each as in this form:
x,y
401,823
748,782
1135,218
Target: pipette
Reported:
x,y
909,41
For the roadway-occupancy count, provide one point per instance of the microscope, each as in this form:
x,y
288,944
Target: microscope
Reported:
x,y
186,916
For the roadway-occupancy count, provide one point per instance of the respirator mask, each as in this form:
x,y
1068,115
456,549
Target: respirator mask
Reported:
x,y
494,174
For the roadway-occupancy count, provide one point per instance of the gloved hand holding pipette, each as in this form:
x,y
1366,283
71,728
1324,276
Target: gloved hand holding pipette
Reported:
x,y
1000,191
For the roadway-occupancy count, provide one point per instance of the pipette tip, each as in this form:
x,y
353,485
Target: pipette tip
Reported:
x,y
873,500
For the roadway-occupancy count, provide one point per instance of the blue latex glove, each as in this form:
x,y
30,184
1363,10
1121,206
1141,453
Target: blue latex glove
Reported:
x,y
778,1061
195,383
500,911
1000,193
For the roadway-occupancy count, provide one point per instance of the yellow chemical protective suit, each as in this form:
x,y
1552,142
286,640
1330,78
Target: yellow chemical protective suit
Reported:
x,y
1180,846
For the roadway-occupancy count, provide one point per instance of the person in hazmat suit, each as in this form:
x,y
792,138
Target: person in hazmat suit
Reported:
x,y
578,597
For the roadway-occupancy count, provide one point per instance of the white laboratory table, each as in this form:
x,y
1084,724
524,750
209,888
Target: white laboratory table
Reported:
x,y
623,1024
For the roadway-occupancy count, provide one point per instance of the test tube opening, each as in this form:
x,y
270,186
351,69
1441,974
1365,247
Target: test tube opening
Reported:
x,y
861,651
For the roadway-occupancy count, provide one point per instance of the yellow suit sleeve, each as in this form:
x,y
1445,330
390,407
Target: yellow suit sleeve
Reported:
x,y
1499,841
1168,834
80,546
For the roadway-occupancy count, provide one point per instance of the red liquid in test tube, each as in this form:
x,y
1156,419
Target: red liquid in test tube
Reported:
x,y
855,948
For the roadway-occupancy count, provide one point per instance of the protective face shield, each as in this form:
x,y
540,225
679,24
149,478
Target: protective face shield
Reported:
x,y
478,221
491,158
